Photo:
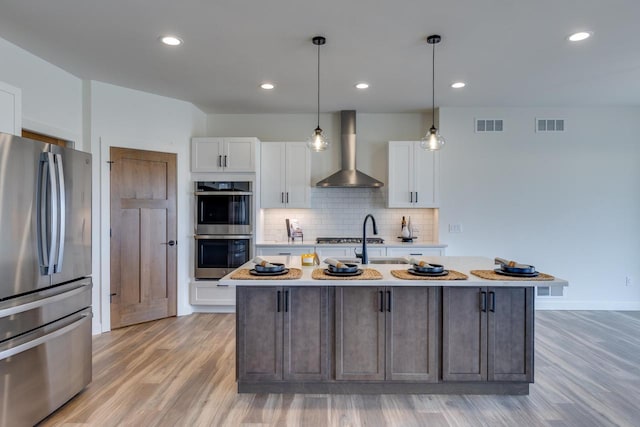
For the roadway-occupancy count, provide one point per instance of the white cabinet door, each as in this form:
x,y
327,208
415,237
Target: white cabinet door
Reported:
x,y
401,174
223,154
426,172
272,175
415,252
413,176
209,293
239,155
285,171
206,154
335,252
10,109
284,250
298,174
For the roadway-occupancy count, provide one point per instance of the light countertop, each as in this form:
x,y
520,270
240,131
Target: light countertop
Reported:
x,y
388,243
457,263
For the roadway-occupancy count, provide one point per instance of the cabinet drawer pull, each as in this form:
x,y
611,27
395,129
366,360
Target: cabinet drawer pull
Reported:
x,y
284,253
415,254
381,301
492,302
278,302
483,302
389,301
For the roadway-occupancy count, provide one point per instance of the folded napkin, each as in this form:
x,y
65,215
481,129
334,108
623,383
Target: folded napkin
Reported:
x,y
334,262
262,262
416,261
512,264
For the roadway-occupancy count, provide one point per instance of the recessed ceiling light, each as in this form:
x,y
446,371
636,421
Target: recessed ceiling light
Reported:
x,y
362,85
267,86
582,35
458,85
171,40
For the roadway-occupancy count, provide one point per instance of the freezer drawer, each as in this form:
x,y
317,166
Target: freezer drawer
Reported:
x,y
28,312
43,369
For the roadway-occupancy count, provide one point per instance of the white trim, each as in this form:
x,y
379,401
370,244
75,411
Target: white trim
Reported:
x,y
588,305
45,129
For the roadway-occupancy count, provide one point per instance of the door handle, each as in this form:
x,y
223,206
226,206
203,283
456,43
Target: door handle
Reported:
x,y
62,213
286,301
287,197
410,196
170,243
220,160
492,302
416,197
381,301
225,161
483,302
46,205
389,301
278,302
282,197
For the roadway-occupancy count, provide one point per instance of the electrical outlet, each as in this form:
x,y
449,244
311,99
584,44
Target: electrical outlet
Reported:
x,y
627,281
455,228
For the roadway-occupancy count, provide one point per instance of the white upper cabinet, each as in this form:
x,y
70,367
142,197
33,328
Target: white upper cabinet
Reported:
x,y
285,173
10,109
223,154
413,176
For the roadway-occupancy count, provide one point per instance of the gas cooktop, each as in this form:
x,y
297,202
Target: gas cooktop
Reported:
x,y
334,240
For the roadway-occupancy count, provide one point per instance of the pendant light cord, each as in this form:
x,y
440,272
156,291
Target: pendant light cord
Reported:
x,y
433,87
318,85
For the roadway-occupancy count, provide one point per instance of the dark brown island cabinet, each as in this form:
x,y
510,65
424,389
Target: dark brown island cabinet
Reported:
x,y
384,339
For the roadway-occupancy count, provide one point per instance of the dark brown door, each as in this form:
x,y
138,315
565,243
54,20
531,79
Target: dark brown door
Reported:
x,y
306,333
360,333
510,352
464,334
412,333
143,236
259,333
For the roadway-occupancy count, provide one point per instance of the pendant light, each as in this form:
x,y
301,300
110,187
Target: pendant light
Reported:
x,y
317,141
433,141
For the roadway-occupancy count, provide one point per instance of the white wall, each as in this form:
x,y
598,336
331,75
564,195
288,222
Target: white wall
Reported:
x,y
128,118
568,203
51,97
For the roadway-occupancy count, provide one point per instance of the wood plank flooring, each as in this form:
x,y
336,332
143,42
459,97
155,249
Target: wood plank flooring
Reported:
x,y
181,372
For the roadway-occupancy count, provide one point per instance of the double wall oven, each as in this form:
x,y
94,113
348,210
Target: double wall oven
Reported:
x,y
224,227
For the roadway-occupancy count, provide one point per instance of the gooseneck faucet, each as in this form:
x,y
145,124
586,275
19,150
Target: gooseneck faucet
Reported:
x,y
365,257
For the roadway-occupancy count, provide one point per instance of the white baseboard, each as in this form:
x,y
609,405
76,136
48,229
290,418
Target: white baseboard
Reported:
x,y
214,308
561,304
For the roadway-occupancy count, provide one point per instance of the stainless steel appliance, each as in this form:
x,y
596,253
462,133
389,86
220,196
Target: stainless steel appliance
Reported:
x,y
45,291
224,207
224,227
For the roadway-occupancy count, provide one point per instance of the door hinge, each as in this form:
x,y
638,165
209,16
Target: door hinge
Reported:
x,y
110,163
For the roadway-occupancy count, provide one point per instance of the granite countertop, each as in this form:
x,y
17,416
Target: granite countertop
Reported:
x,y
457,263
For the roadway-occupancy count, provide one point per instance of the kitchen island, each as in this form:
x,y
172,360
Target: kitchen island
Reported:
x,y
389,335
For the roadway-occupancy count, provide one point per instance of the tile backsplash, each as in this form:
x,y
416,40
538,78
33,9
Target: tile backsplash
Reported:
x,y
339,212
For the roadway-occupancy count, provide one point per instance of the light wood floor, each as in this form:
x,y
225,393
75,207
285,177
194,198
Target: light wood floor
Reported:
x,y
180,372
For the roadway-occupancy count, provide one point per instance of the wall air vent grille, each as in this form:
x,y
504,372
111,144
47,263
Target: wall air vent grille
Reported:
x,y
489,125
549,125
549,291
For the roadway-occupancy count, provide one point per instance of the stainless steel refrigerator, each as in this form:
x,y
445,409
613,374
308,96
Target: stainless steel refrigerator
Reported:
x,y
45,288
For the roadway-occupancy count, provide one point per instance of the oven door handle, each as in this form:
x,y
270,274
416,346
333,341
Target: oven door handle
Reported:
x,y
222,237
224,193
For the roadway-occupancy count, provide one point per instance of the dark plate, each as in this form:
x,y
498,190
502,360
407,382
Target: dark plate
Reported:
x,y
508,273
277,268
425,274
350,268
519,270
269,273
434,268
338,274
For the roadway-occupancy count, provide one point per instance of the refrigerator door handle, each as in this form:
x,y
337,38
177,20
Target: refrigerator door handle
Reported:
x,y
46,338
47,198
61,213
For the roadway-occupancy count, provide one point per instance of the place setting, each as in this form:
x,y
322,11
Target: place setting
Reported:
x,y
422,270
511,270
264,269
337,269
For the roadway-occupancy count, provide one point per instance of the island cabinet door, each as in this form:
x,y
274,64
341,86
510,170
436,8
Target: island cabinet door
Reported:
x,y
464,334
306,333
259,334
412,334
360,333
510,334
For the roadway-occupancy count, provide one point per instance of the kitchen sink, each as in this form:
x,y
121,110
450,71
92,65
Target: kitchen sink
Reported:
x,y
385,260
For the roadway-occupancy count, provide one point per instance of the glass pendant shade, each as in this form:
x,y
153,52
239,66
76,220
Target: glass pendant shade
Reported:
x,y
432,141
317,141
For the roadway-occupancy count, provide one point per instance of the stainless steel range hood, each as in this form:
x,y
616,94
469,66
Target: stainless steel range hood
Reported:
x,y
348,175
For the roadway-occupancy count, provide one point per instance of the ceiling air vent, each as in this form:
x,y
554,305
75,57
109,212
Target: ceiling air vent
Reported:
x,y
549,125
489,125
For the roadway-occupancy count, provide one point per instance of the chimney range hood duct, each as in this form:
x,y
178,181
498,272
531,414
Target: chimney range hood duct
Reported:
x,y
348,175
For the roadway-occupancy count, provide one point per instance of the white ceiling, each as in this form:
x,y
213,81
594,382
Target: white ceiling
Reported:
x,y
510,52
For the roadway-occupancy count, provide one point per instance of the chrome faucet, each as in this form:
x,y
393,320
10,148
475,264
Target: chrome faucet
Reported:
x,y
365,257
